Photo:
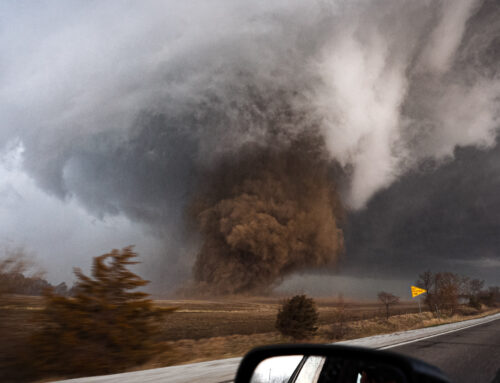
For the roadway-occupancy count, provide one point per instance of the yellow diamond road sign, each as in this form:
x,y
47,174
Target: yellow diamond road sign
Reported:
x,y
416,291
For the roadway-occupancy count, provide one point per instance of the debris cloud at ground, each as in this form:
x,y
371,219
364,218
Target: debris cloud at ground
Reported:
x,y
266,213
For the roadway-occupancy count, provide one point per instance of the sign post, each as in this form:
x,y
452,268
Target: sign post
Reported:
x,y
415,292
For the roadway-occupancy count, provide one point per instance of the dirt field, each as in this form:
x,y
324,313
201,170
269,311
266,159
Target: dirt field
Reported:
x,y
194,319
203,319
204,330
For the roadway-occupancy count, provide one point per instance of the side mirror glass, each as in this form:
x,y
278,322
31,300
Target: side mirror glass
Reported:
x,y
322,369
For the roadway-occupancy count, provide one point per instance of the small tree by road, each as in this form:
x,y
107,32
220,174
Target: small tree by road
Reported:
x,y
106,327
388,300
297,318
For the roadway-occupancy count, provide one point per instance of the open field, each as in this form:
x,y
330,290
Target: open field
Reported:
x,y
206,330
212,329
196,319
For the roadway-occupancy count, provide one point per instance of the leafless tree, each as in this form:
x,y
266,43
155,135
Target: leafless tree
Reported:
x,y
339,328
476,285
445,288
13,261
388,300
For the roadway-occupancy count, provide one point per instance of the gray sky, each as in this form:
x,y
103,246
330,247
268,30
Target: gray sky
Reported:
x,y
60,234
109,110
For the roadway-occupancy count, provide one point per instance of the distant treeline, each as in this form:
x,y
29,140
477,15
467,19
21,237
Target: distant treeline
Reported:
x,y
18,276
446,291
17,283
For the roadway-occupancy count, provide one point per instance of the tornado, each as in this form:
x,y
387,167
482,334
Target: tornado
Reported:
x,y
265,213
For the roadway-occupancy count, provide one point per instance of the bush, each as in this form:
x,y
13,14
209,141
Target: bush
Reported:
x,y
297,318
474,302
104,328
467,310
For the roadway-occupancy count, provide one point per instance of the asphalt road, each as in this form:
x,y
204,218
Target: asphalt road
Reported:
x,y
471,355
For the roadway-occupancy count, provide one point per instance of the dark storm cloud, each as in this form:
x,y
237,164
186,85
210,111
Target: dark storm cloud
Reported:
x,y
123,108
438,217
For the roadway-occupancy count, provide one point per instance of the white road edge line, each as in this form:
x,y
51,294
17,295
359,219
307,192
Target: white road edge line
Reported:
x,y
435,335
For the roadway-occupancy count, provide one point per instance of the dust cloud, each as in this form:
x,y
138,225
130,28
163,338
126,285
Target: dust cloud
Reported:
x,y
266,213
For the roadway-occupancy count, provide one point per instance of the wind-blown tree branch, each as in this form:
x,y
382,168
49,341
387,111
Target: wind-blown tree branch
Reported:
x,y
106,327
388,300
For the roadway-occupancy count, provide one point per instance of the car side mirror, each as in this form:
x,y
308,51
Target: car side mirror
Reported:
x,y
311,363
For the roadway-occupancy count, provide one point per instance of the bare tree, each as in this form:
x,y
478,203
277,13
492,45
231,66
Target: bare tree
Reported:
x,y
494,293
426,281
475,286
19,274
388,300
444,289
13,262
339,328
473,291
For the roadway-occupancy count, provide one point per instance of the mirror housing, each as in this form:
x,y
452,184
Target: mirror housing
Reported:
x,y
409,369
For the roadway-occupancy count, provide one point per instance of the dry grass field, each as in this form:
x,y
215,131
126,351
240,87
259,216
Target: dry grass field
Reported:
x,y
211,329
206,330
16,324
196,319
